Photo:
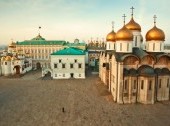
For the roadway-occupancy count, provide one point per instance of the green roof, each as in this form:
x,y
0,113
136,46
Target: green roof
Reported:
x,y
75,44
41,42
69,51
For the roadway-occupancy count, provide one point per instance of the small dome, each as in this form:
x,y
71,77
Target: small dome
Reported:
x,y
12,45
155,34
124,34
8,58
132,25
38,37
111,36
3,58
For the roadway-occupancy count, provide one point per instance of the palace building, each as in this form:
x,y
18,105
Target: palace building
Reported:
x,y
134,70
40,49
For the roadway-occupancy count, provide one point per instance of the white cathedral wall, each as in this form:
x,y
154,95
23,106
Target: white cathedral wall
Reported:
x,y
163,91
154,46
124,46
110,45
7,68
136,39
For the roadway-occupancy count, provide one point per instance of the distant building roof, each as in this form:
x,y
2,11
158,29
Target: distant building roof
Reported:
x,y
41,42
69,51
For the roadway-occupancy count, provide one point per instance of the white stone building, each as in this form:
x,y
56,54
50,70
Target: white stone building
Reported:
x,y
67,63
15,62
132,72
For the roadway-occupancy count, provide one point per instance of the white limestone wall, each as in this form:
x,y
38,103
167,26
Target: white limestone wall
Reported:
x,y
7,68
154,46
137,39
124,46
110,45
65,73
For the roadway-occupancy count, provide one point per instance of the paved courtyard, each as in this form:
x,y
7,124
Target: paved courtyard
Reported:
x,y
31,101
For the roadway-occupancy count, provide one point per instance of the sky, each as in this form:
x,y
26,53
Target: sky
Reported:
x,y
82,19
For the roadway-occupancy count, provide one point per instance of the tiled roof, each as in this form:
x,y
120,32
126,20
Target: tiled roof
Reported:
x,y
41,42
69,51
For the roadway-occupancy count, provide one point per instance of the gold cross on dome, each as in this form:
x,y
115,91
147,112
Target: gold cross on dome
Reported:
x,y
124,17
132,8
154,19
113,25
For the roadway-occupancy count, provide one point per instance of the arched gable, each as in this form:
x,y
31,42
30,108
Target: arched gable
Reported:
x,y
146,70
148,59
130,59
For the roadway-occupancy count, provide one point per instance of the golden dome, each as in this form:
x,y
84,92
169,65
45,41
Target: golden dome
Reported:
x,y
13,58
124,34
155,34
132,25
8,58
111,36
3,58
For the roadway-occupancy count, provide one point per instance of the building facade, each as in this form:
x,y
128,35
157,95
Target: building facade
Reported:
x,y
67,63
15,62
40,49
135,71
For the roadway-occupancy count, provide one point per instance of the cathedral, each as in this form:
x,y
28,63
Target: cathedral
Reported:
x,y
135,71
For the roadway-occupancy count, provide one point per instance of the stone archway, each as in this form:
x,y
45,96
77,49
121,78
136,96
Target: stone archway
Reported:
x,y
17,68
38,65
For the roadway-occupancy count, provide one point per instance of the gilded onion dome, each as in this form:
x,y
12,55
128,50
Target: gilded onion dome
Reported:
x,y
155,34
111,36
13,58
124,34
132,25
3,58
8,58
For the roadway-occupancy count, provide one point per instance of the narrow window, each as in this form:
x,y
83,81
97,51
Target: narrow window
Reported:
x,y
59,60
160,82
63,66
142,84
153,46
55,65
120,46
126,83
5,63
134,84
135,40
127,46
150,85
71,65
75,61
63,75
160,46
79,65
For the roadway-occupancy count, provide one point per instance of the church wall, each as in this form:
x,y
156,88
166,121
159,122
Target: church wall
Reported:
x,y
124,46
136,39
163,88
152,46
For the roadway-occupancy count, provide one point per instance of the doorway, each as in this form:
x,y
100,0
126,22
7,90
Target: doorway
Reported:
x,y
38,65
72,75
17,68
